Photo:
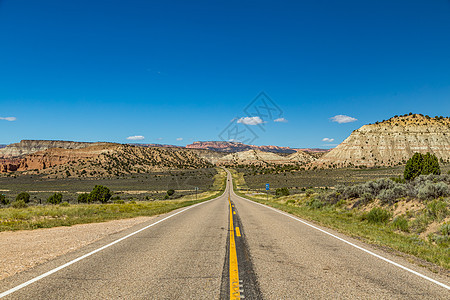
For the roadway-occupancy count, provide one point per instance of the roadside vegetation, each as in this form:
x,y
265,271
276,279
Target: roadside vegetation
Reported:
x,y
411,216
97,206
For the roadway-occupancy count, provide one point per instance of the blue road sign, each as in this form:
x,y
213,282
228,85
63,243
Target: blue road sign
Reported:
x,y
267,186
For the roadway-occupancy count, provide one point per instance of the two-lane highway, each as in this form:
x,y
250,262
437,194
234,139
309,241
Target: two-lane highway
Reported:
x,y
227,248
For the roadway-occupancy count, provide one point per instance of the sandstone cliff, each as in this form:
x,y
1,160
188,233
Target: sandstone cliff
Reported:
x,y
103,159
32,146
391,142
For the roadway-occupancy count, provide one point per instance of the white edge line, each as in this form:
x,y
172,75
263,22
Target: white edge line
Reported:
x,y
21,286
351,244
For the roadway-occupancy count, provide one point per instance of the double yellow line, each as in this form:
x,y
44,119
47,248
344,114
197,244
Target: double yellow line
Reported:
x,y
235,292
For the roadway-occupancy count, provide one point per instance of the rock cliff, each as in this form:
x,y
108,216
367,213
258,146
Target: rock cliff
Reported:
x,y
391,142
25,147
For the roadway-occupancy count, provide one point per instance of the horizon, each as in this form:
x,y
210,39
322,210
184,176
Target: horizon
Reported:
x,y
292,74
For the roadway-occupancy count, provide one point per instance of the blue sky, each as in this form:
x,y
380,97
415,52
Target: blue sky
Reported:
x,y
171,70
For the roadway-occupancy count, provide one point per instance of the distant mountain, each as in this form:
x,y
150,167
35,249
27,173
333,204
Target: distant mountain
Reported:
x,y
2,146
230,147
264,158
155,145
392,142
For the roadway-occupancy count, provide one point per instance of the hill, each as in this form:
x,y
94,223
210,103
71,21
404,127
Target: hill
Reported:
x,y
391,142
103,160
261,158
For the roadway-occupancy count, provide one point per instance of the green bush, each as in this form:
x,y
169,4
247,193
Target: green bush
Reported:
x,y
290,201
420,223
3,200
24,196
119,201
83,198
445,229
282,192
400,223
309,192
315,204
56,198
100,193
421,164
437,209
377,215
19,204
170,192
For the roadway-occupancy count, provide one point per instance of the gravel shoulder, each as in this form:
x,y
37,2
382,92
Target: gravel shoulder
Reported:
x,y
25,249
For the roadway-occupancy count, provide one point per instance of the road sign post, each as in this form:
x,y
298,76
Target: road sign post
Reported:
x,y
267,190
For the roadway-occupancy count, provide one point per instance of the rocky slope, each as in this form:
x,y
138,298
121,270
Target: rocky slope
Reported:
x,y
25,147
391,142
301,157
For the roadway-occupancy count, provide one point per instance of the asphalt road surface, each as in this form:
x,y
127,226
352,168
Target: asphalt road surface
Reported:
x,y
227,248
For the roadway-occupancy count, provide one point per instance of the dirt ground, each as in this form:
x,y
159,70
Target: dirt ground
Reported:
x,y
25,249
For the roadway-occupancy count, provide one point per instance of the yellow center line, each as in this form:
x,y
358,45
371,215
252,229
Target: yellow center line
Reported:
x,y
234,271
238,232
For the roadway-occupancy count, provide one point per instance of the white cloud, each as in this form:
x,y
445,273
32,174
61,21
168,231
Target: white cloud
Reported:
x,y
136,138
250,120
179,139
160,139
281,120
234,141
343,119
8,118
328,140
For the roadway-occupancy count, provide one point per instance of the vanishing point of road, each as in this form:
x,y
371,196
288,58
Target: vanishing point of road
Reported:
x,y
227,248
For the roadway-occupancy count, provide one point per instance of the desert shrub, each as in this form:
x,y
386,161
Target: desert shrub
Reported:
x,y
3,200
391,194
56,198
100,193
19,204
170,192
24,196
437,209
331,198
282,192
290,201
64,204
314,203
377,215
366,198
119,201
421,164
83,198
400,223
433,190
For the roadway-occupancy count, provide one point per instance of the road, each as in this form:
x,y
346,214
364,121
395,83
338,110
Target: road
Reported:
x,y
190,254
